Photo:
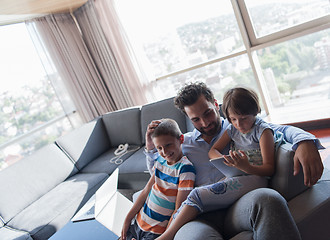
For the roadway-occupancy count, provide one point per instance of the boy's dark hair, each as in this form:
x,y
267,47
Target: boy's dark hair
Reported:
x,y
167,127
241,101
190,93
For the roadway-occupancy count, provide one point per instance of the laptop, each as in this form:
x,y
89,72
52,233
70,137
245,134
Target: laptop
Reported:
x,y
109,207
226,170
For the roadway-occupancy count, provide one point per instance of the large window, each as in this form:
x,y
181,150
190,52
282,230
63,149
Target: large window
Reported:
x,y
32,114
269,16
297,73
279,48
219,76
172,35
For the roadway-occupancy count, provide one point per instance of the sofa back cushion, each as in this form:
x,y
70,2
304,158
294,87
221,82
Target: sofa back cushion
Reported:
x,y
27,180
159,110
86,143
123,126
283,180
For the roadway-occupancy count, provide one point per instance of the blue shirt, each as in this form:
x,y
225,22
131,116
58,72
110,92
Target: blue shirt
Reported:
x,y
196,149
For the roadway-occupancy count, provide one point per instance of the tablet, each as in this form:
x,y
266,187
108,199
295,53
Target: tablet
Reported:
x,y
226,170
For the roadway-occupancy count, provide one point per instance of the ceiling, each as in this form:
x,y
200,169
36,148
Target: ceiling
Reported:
x,y
12,11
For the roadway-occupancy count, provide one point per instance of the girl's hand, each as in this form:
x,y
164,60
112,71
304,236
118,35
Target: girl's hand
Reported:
x,y
237,159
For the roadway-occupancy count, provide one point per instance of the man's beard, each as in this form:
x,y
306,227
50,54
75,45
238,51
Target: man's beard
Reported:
x,y
213,131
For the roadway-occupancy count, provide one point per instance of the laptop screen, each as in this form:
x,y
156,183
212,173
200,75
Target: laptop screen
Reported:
x,y
107,206
106,192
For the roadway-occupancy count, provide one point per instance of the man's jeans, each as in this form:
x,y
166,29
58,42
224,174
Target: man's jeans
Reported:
x,y
261,214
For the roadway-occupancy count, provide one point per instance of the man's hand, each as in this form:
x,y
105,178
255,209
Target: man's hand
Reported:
x,y
150,129
308,156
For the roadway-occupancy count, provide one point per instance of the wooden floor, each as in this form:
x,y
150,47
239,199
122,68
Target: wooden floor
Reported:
x,y
324,136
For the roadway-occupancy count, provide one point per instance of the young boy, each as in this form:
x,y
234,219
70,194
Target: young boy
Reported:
x,y
172,180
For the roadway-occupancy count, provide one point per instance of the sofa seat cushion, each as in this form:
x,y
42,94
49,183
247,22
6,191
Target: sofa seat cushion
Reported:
x,y
108,162
31,178
133,173
86,143
7,233
136,163
311,209
53,210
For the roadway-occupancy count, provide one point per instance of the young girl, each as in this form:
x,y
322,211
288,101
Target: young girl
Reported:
x,y
252,151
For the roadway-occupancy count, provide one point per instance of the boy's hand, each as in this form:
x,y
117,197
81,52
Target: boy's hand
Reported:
x,y
150,129
126,225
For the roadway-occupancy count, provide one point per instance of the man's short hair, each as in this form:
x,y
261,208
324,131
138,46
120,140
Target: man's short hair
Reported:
x,y
167,127
190,93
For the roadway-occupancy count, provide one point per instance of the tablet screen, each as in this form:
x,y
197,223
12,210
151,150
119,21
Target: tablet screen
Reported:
x,y
226,170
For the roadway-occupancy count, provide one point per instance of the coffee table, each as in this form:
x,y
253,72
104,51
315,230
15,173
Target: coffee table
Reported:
x,y
84,230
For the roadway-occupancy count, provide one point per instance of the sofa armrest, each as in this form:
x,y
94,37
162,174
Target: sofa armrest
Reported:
x,y
311,209
31,178
85,143
283,180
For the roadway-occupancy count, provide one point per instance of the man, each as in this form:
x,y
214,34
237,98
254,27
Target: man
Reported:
x,y
262,212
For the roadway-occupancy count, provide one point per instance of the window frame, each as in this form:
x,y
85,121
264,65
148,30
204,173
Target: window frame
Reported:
x,y
282,35
253,43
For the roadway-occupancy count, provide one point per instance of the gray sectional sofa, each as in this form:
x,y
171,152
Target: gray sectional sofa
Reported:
x,y
42,192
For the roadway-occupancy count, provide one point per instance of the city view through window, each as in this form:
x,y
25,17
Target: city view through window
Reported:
x,y
297,74
203,42
270,16
30,111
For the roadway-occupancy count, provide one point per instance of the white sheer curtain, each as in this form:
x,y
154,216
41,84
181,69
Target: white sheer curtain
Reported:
x,y
103,56
74,63
134,77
